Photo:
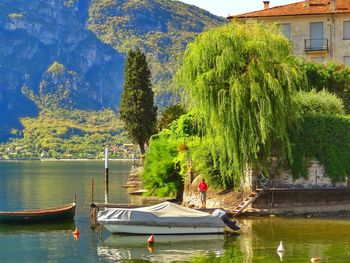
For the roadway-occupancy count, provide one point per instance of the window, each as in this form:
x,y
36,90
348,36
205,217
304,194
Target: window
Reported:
x,y
316,36
346,30
347,60
285,28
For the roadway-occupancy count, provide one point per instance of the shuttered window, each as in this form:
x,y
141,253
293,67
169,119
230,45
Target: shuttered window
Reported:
x,y
316,35
346,32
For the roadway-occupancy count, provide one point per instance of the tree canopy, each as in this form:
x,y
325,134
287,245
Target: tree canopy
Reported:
x,y
137,109
331,76
242,77
170,114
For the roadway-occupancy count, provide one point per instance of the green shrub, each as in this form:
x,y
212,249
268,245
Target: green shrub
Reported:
x,y
331,76
321,102
186,126
161,175
170,114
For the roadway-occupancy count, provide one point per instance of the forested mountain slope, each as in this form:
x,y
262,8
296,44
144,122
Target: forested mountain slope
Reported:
x,y
89,40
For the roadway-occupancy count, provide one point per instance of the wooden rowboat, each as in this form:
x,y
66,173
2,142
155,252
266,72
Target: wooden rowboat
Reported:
x,y
55,214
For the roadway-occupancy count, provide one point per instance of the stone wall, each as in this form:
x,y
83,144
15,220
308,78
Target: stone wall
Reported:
x,y
316,178
304,201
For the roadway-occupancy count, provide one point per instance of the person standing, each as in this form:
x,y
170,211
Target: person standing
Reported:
x,y
202,188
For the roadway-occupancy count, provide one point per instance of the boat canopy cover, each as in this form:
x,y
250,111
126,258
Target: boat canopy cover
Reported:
x,y
163,214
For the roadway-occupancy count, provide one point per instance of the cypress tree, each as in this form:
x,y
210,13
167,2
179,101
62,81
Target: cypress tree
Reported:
x,y
137,109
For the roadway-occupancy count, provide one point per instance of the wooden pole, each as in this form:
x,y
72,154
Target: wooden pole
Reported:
x,y
93,212
106,175
92,190
93,208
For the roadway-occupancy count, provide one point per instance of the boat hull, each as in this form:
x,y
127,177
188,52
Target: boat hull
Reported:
x,y
57,214
160,230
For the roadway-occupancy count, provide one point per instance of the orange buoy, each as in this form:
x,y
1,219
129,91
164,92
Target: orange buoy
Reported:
x,y
76,232
151,239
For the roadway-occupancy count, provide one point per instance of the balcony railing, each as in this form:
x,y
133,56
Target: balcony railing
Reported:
x,y
316,44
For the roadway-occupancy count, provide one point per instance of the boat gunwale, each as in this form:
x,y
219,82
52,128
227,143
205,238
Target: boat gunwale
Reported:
x,y
33,212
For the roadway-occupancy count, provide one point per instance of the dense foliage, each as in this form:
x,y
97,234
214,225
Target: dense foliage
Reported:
x,y
325,138
160,174
321,102
331,76
137,109
167,157
242,78
170,114
323,135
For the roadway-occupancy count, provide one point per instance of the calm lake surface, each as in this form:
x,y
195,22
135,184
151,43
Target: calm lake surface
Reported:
x,y
40,184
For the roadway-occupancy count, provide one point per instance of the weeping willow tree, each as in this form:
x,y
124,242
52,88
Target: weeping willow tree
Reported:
x,y
242,79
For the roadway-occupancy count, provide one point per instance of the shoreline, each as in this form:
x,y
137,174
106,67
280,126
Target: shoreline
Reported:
x,y
68,160
226,201
321,214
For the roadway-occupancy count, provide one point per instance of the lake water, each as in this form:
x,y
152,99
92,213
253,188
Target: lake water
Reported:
x,y
36,184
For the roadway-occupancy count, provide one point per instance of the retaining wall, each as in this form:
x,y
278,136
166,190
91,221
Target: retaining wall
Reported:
x,y
302,201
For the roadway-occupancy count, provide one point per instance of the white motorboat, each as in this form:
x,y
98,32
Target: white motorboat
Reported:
x,y
165,218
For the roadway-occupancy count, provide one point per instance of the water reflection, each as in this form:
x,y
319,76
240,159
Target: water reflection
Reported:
x,y
167,248
303,239
280,254
48,228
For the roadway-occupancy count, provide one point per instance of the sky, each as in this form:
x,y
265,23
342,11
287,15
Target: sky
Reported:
x,y
234,7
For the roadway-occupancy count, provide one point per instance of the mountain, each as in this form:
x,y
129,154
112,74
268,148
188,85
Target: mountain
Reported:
x,y
86,41
161,28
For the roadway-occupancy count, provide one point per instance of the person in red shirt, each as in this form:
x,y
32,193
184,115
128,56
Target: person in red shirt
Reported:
x,y
202,188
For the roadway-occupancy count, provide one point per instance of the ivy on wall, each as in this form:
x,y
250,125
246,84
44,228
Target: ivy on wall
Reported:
x,y
326,138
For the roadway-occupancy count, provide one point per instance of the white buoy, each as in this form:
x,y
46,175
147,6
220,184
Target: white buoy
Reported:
x,y
280,247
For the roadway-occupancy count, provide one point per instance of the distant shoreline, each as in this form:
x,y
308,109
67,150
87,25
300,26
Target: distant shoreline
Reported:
x,y
68,160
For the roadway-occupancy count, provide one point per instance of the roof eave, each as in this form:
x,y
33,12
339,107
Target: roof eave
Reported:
x,y
284,15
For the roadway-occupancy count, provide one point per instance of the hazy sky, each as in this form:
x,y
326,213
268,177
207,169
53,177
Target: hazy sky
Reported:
x,y
233,7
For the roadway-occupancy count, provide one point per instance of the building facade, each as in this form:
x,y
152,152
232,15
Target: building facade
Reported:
x,y
317,29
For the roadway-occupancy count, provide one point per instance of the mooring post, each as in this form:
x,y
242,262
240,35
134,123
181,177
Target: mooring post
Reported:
x,y
106,175
92,191
93,213
92,207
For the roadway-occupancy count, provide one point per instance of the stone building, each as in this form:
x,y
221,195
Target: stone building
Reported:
x,y
317,29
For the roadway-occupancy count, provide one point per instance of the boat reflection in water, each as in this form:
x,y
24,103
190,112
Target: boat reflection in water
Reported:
x,y
51,228
167,248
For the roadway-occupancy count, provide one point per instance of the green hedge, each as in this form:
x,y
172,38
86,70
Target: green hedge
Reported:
x,y
331,76
326,138
322,102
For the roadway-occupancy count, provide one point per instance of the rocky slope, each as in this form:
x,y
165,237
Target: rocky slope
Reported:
x,y
90,39
161,28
